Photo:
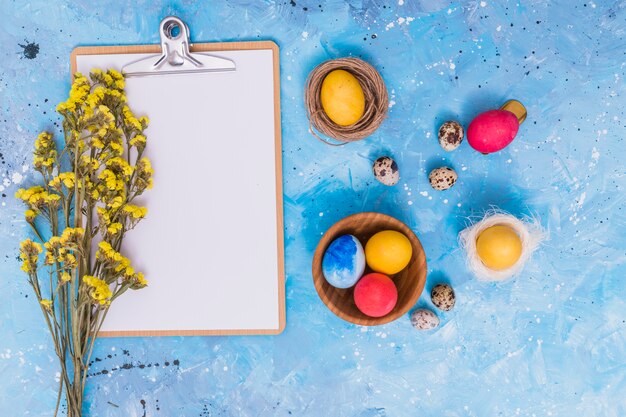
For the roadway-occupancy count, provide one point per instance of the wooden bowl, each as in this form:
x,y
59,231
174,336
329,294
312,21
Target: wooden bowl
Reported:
x,y
409,282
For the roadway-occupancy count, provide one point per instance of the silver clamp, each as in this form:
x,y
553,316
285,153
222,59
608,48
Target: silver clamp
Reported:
x,y
175,56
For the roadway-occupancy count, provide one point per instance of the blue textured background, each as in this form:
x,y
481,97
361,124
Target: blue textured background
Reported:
x,y
552,342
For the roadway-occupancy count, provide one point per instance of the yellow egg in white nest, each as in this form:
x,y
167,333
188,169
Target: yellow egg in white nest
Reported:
x,y
498,246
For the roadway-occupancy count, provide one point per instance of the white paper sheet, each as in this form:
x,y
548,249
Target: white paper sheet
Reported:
x,y
208,246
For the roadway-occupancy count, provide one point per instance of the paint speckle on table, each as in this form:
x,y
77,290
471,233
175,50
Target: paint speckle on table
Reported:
x,y
550,342
29,49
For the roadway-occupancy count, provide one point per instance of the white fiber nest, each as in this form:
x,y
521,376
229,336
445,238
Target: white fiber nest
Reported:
x,y
529,230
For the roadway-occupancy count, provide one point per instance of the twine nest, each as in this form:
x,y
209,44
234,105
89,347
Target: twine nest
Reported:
x,y
528,229
374,90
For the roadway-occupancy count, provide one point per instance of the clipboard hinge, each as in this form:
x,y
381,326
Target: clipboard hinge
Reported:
x,y
176,57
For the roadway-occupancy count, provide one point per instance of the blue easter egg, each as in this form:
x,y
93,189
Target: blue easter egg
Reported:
x,y
344,262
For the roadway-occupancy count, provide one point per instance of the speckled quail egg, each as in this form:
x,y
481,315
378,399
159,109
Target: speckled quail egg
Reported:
x,y
443,297
423,319
386,171
442,178
450,135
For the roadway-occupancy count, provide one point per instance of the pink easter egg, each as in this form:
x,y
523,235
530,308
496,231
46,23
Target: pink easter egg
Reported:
x,y
375,295
492,130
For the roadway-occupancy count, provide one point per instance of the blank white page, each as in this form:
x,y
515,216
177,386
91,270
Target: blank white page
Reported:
x,y
210,244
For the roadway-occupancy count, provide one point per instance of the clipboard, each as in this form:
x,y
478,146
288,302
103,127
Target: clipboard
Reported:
x,y
212,244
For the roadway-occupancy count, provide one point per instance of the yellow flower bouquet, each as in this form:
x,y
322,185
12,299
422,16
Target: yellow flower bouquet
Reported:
x,y
80,214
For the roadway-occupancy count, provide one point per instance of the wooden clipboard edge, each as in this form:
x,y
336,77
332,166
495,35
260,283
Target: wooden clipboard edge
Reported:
x,y
211,47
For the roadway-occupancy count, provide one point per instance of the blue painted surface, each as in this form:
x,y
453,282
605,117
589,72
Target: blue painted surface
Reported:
x,y
552,342
343,262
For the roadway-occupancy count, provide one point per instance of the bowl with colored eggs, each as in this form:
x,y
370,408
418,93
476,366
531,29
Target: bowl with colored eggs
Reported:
x,y
369,269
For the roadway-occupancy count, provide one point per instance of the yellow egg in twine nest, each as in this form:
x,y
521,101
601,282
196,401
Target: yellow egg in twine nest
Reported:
x,y
346,100
342,97
498,246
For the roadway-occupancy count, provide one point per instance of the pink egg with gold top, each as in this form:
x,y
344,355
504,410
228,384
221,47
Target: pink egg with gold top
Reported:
x,y
492,130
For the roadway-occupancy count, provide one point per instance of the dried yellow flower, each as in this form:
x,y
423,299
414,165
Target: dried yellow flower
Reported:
x,y
138,281
114,228
30,215
135,212
91,182
29,253
98,290
72,236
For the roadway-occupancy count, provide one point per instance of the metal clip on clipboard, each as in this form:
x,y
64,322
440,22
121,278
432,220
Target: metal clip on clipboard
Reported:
x,y
175,56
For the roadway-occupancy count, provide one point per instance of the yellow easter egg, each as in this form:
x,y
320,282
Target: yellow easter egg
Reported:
x,y
388,252
342,97
499,247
